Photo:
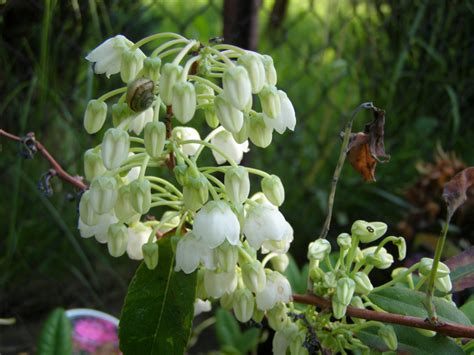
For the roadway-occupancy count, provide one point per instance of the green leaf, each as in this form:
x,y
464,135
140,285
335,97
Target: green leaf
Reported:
x,y
56,335
468,309
248,340
409,302
227,328
462,269
411,342
159,307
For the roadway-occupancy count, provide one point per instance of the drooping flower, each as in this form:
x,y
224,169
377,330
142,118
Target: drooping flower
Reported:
x,y
98,230
138,235
140,120
286,118
226,142
277,288
219,283
184,134
190,252
201,306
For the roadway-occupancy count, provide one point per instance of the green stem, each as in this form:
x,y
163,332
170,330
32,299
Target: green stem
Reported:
x,y
244,254
144,166
216,88
230,47
351,253
154,37
399,277
267,258
172,204
166,183
224,58
166,45
187,67
184,51
210,146
170,52
112,93
215,180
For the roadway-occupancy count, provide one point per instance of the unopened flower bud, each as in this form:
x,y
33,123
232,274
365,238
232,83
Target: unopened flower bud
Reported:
x,y
120,112
204,90
95,115
219,283
270,72
211,117
230,118
243,304
195,192
345,290
117,238
280,262
273,189
254,276
316,273
368,232
242,135
237,184
270,100
115,147
338,309
184,101
381,260
103,194
151,68
226,256
330,279
169,76
344,241
318,249
86,212
224,142
227,301
278,316
357,302
200,289
259,133
363,284
427,263
258,315
93,165
181,174
256,71
140,193
402,248
155,136
123,206
443,284
237,87
150,254
388,335
132,63
426,332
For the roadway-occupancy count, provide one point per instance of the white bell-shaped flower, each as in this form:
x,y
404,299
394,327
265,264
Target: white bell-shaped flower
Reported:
x,y
259,132
252,62
201,306
262,223
215,222
139,121
115,148
279,246
230,118
184,101
98,230
170,73
237,184
190,252
185,134
107,57
226,142
138,235
237,87
277,288
286,118
243,303
219,283
132,63
270,72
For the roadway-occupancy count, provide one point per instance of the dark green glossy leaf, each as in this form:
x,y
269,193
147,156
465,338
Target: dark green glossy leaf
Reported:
x,y
248,340
409,302
468,309
159,307
227,328
411,342
55,338
297,278
462,269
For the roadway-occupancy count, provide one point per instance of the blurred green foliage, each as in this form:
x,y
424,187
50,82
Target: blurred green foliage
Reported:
x,y
412,58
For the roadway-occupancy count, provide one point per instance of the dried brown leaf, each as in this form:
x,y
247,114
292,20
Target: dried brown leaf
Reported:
x,y
455,191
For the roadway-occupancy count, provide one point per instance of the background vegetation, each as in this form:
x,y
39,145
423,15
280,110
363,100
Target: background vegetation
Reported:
x,y
412,58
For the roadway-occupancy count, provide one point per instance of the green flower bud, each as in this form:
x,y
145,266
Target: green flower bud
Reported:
x,y
316,273
86,212
211,117
278,316
120,112
242,135
318,249
388,335
270,72
363,284
230,118
330,280
345,290
270,100
93,165
169,76
155,136
117,239
427,263
426,332
150,254
103,194
226,257
151,68
381,260
338,309
195,192
273,189
243,304
280,262
203,89
95,115
115,147
237,87
443,284
357,302
181,174
368,232
132,63
254,276
297,345
200,287
227,301
344,241
402,248
237,184
408,279
258,315
123,206
256,71
259,133
140,193
184,101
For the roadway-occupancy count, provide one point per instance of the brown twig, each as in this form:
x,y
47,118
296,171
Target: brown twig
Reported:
x,y
75,181
169,129
449,329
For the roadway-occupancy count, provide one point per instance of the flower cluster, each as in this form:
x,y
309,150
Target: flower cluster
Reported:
x,y
219,226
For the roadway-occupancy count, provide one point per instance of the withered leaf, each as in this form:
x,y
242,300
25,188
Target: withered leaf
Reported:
x,y
462,266
367,148
455,190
